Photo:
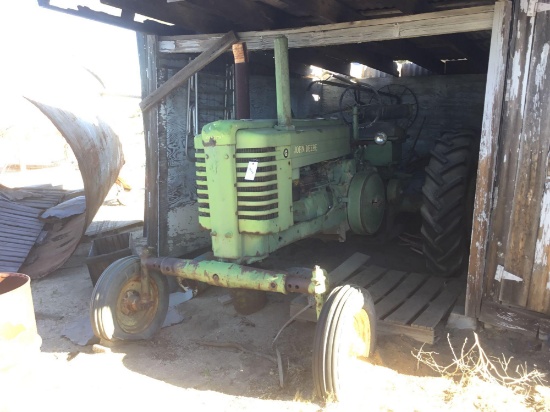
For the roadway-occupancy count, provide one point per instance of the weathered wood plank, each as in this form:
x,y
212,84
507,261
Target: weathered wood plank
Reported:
x,y
439,306
9,267
387,283
418,25
531,169
148,55
9,258
349,266
494,96
537,128
209,55
19,232
15,252
399,295
511,125
367,276
19,209
509,318
420,334
417,302
15,241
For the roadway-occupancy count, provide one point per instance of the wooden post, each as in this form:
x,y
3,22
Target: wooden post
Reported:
x,y
494,97
149,57
210,54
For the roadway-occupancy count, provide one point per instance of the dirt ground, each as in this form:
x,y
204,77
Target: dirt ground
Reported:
x,y
177,370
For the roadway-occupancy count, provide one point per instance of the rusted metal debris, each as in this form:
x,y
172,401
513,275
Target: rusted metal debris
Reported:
x,y
99,155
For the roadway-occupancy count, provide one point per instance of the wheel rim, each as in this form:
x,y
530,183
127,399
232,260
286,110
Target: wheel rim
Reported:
x,y
131,315
352,355
360,337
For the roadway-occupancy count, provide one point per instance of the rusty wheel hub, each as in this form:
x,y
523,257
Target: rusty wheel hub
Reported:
x,y
133,313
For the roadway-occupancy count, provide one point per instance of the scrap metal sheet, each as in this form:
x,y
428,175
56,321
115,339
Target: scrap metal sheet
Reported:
x,y
99,155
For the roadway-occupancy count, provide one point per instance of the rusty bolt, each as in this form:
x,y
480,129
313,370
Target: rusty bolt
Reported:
x,y
216,278
273,285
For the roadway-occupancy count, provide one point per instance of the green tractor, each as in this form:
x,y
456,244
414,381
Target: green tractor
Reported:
x,y
264,184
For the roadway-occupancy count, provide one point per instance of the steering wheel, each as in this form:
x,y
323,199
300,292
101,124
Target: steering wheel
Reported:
x,y
365,98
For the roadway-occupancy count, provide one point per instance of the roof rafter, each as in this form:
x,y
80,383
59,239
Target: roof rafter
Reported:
x,y
403,27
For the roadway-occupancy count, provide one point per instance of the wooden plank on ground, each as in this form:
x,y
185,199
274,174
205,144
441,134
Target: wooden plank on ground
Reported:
x,y
401,27
406,312
350,265
420,334
439,306
399,294
390,279
367,276
207,56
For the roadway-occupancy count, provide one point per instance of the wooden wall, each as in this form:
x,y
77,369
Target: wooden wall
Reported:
x,y
516,260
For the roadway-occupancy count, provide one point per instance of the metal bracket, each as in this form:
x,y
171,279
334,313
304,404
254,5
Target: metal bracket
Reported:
x,y
537,6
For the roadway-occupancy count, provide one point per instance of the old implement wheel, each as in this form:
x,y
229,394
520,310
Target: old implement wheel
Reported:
x,y
116,308
344,337
448,194
247,302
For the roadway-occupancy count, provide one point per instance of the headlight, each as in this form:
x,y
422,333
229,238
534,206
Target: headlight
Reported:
x,y
380,138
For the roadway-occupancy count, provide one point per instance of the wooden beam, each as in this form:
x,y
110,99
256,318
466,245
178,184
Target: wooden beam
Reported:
x,y
494,98
219,47
403,27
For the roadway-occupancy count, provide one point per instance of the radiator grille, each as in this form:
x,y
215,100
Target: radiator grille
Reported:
x,y
202,189
256,199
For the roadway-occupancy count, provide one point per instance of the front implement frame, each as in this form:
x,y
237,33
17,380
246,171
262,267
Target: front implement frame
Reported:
x,y
232,275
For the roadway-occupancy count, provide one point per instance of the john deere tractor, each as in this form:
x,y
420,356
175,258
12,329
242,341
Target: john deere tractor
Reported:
x,y
264,184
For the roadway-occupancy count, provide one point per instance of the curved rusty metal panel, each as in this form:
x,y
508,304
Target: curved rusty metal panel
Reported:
x,y
100,158
96,148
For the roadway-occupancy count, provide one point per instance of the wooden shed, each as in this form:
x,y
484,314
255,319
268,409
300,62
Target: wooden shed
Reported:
x,y
478,64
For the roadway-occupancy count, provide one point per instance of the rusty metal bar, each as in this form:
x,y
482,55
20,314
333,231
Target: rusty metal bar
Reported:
x,y
231,275
242,86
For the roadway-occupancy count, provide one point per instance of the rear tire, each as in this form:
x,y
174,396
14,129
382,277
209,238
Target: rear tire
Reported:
x,y
448,202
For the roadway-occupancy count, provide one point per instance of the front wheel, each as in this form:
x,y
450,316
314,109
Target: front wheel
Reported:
x,y
116,308
344,337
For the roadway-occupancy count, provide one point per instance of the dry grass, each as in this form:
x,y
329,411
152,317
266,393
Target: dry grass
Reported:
x,y
471,366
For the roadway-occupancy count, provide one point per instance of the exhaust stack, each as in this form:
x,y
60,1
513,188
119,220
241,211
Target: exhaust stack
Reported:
x,y
284,115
